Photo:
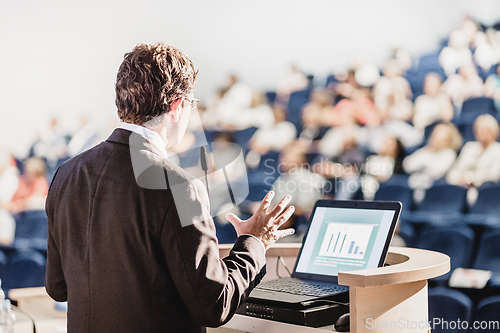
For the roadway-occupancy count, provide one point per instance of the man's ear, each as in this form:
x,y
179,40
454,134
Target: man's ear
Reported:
x,y
176,109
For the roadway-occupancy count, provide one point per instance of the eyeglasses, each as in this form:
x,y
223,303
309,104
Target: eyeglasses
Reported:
x,y
192,102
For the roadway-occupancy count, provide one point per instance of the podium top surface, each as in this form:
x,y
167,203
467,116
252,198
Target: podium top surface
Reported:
x,y
404,265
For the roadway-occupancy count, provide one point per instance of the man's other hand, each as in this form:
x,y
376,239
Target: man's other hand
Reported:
x,y
264,223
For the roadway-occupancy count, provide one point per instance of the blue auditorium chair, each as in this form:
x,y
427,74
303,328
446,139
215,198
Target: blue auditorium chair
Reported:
x,y
416,81
442,204
296,103
271,97
486,211
487,313
456,241
31,224
400,180
24,269
3,264
330,80
430,63
256,192
467,132
388,192
267,170
488,251
473,107
448,305
242,137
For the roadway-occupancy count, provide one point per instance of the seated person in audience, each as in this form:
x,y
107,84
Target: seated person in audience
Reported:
x,y
236,99
456,54
51,144
380,167
433,105
344,169
479,161
33,187
391,84
484,53
297,180
332,143
275,135
360,106
294,81
434,160
347,84
464,85
313,114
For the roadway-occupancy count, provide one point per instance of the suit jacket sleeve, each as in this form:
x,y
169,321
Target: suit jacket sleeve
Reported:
x,y
212,288
54,276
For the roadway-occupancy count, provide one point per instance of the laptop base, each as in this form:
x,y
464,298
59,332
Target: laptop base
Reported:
x,y
316,316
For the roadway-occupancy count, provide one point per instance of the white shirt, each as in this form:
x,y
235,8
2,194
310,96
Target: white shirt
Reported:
x,y
148,134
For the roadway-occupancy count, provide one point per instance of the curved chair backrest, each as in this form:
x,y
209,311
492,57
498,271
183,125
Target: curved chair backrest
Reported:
x,y
488,251
488,201
448,305
24,269
396,193
487,313
32,224
444,199
455,241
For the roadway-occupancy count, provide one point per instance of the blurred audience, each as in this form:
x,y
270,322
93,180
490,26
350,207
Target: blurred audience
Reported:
x,y
380,167
295,80
435,159
344,170
464,85
479,161
274,135
433,105
33,187
297,180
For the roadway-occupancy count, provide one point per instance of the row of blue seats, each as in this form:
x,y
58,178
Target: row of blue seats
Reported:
x,y
447,306
466,248
22,269
448,202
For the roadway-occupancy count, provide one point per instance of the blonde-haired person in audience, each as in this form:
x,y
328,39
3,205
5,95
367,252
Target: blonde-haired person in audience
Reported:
x,y
433,105
479,161
433,161
33,187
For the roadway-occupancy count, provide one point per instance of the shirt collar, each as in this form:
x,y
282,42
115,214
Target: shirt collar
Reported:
x,y
148,134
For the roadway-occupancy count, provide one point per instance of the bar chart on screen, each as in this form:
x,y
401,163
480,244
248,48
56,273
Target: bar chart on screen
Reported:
x,y
346,240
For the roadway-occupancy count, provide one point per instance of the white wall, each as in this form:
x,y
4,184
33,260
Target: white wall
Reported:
x,y
60,57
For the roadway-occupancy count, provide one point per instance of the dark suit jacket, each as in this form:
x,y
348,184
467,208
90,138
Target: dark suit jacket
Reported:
x,y
119,254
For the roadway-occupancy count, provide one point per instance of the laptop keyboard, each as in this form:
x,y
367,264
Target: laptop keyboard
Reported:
x,y
299,287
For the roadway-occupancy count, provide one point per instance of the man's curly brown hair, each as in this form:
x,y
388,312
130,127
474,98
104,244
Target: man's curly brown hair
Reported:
x,y
150,78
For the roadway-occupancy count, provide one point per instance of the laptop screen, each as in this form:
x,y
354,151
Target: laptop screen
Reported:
x,y
347,239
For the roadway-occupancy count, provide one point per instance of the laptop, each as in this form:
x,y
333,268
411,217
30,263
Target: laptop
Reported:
x,y
342,236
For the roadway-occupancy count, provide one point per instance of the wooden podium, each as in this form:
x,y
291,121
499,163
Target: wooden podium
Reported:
x,y
394,298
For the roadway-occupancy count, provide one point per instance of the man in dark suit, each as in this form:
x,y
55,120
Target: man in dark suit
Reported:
x,y
132,245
